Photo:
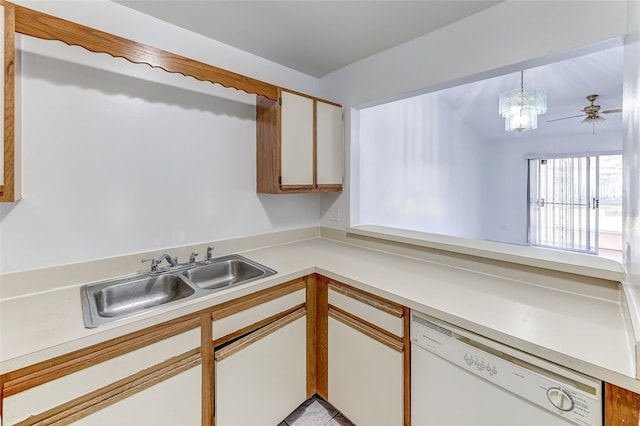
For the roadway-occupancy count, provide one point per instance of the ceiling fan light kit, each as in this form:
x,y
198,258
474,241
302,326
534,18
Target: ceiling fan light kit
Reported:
x,y
592,114
520,108
593,120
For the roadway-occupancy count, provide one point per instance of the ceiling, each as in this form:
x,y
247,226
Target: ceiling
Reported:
x,y
567,84
314,37
318,37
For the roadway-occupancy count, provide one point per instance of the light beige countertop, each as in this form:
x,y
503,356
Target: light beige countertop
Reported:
x,y
581,325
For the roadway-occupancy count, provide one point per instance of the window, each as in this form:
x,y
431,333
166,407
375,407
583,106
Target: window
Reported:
x,y
575,203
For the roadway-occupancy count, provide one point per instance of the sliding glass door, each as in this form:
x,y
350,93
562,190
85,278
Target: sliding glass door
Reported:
x,y
563,203
575,203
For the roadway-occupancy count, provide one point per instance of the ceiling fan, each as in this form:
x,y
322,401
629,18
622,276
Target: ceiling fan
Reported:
x,y
592,113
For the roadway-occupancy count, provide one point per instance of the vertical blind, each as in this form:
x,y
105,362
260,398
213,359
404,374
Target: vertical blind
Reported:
x,y
562,203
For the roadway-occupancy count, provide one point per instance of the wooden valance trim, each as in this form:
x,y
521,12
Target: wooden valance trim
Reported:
x,y
41,25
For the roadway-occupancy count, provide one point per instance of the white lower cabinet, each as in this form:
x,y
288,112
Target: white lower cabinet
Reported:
x,y
264,366
261,378
157,384
365,377
175,401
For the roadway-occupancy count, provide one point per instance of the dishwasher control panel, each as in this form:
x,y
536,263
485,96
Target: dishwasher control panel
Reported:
x,y
566,393
479,363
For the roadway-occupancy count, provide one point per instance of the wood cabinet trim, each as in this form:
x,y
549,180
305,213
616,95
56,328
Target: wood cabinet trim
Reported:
x,y
328,188
44,26
8,189
406,368
322,337
46,371
315,144
92,402
368,298
41,25
254,299
377,328
367,328
267,145
255,326
296,188
34,375
621,406
237,346
269,148
312,317
208,378
281,89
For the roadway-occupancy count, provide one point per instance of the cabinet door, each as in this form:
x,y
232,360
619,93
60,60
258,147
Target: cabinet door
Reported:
x,y
261,378
175,401
330,146
365,377
296,141
118,391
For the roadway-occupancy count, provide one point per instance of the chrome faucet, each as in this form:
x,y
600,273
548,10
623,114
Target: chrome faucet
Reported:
x,y
173,261
210,253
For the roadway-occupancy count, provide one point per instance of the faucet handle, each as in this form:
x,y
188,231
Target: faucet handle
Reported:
x,y
192,258
210,253
154,264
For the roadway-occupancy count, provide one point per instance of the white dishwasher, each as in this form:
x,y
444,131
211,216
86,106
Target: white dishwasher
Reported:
x,y
460,378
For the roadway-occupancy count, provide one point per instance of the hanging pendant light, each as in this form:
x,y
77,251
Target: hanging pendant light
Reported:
x,y
520,108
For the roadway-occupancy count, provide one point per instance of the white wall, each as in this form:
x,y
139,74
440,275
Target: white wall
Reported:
x,y
419,170
122,158
422,168
505,173
631,155
498,38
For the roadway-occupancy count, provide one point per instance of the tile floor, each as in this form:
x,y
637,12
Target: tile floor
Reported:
x,y
315,411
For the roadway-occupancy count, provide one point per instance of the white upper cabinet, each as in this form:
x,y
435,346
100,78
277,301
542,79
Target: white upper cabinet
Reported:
x,y
300,145
297,139
330,145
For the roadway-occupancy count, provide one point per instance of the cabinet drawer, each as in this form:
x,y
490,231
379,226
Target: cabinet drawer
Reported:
x,y
59,391
376,311
237,321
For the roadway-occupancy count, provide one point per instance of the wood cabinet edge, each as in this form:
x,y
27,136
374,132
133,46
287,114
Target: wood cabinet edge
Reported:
x,y
9,191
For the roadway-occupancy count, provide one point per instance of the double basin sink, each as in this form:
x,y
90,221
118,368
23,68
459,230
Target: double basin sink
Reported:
x,y
107,301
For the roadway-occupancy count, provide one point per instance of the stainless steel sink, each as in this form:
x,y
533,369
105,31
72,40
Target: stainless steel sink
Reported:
x,y
107,301
110,300
225,272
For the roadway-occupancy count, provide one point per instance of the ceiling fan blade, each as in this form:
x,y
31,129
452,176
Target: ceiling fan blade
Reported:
x,y
611,111
565,118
